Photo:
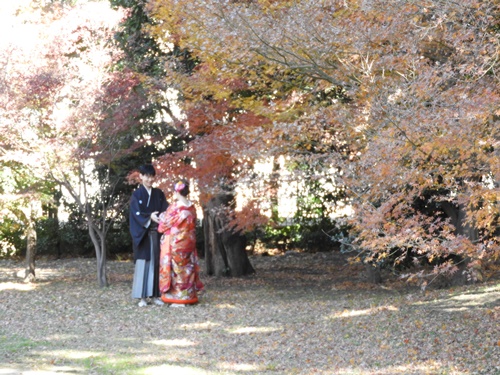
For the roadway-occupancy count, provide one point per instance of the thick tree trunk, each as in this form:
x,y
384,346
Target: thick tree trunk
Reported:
x,y
373,274
466,228
225,253
458,217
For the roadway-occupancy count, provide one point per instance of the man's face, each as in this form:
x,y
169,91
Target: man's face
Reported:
x,y
147,180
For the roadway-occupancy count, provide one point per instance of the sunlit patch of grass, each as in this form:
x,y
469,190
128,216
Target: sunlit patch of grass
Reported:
x,y
465,300
105,365
202,326
251,330
172,369
353,313
51,361
70,354
175,342
231,366
16,286
272,367
15,344
225,306
425,368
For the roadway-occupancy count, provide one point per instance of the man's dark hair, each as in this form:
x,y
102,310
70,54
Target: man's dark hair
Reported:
x,y
147,170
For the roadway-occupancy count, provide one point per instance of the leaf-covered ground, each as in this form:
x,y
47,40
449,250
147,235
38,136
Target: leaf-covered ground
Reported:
x,y
300,314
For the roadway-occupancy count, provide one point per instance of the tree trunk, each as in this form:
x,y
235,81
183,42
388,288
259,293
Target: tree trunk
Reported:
x,y
99,242
373,274
31,239
102,275
54,214
29,274
458,217
225,253
274,184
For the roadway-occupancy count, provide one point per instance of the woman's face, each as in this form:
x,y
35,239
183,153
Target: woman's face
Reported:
x,y
147,180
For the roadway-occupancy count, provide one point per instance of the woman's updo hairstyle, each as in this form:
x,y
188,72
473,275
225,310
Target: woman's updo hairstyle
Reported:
x,y
182,187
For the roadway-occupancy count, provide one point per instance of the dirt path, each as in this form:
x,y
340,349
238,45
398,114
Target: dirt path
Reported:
x,y
300,314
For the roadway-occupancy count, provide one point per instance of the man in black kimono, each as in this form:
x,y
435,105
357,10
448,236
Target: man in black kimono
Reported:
x,y
146,204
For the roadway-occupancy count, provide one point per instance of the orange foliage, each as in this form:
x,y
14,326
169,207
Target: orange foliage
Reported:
x,y
399,104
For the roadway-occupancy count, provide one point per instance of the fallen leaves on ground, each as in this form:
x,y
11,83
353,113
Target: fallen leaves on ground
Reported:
x,y
299,314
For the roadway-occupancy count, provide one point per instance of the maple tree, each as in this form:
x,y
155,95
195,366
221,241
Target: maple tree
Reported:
x,y
147,57
68,116
396,102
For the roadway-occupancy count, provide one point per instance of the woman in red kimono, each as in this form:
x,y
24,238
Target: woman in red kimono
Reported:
x,y
179,268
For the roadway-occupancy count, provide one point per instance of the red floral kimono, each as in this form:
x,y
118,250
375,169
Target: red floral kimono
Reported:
x,y
179,268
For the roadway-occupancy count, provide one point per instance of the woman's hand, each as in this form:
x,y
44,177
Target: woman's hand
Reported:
x,y
154,217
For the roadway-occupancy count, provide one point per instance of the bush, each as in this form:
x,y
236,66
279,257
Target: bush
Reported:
x,y
12,240
71,239
75,240
48,237
312,236
118,240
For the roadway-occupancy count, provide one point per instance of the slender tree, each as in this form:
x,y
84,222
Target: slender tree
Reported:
x,y
22,194
74,114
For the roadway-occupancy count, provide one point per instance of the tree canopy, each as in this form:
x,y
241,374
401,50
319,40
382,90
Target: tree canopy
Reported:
x,y
390,107
397,102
